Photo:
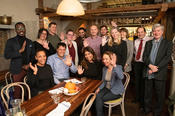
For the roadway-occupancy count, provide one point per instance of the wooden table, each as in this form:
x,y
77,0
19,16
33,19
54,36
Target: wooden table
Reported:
x,y
42,104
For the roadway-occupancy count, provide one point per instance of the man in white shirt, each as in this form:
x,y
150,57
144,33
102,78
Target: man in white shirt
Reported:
x,y
139,45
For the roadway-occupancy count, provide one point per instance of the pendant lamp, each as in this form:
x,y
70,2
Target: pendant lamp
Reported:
x,y
70,8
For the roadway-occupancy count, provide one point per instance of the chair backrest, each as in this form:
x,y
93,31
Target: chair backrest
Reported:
x,y
127,79
25,79
5,90
8,76
86,106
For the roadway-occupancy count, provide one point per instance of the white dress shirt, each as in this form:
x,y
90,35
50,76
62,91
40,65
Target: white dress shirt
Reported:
x,y
136,46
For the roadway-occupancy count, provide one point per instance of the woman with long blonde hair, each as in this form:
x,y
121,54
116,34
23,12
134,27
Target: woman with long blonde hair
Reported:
x,y
116,45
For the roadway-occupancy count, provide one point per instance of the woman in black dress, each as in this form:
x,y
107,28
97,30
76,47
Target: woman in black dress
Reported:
x,y
116,45
90,67
43,44
40,75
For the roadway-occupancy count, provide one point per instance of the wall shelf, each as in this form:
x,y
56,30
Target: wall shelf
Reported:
x,y
7,26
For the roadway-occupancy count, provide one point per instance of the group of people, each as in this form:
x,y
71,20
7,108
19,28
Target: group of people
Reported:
x,y
52,59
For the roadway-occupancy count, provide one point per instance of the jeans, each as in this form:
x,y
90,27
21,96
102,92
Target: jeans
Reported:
x,y
103,96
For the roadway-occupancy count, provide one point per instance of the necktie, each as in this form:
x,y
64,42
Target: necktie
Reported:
x,y
139,50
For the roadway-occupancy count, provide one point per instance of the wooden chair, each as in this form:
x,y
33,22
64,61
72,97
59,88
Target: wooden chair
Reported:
x,y
5,91
8,76
119,101
25,79
86,106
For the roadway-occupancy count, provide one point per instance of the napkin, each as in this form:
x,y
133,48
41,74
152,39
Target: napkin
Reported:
x,y
57,90
73,81
60,109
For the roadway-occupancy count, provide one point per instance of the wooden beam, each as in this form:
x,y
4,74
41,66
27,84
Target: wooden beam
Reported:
x,y
113,10
124,9
161,13
44,10
41,21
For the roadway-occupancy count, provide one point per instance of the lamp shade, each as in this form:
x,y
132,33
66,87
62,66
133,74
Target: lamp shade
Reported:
x,y
70,8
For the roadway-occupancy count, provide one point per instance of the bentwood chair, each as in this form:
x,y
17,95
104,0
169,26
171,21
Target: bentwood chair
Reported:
x,y
86,106
119,101
8,76
5,92
25,79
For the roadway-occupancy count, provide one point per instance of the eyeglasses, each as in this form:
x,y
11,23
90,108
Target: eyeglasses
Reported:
x,y
70,35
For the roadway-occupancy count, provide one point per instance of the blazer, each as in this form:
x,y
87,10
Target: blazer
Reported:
x,y
12,52
162,58
76,52
130,50
116,80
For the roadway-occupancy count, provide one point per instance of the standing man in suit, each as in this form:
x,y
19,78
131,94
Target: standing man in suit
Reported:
x,y
21,51
156,56
139,46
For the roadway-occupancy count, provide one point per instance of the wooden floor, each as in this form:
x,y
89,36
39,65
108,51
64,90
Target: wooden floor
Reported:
x,y
131,109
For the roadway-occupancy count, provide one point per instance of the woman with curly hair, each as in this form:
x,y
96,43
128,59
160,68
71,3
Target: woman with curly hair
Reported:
x,y
90,67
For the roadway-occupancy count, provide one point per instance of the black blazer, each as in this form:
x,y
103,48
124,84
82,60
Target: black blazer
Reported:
x,y
12,52
162,58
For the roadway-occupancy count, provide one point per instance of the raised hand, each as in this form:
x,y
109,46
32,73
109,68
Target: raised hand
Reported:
x,y
34,68
104,40
23,47
113,24
62,36
80,70
68,60
46,45
85,43
113,60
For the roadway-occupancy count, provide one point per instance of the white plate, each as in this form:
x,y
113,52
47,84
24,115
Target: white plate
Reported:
x,y
70,94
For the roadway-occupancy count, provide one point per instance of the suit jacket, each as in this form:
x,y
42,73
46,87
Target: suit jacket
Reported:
x,y
130,50
116,80
162,58
12,52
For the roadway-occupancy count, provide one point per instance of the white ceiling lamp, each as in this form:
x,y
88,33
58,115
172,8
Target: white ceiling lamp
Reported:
x,y
70,8
89,1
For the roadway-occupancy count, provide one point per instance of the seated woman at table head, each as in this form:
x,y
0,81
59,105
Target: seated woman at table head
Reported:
x,y
112,86
40,75
90,67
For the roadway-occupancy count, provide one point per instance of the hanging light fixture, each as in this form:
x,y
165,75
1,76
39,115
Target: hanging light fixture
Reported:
x,y
70,8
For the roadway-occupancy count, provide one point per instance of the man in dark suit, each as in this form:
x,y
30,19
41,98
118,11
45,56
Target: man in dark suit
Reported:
x,y
21,51
156,56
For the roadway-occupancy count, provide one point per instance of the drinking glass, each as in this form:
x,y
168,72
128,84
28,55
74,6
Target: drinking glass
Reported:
x,y
11,111
55,98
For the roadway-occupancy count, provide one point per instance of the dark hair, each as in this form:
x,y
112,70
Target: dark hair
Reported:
x,y
125,30
51,23
103,26
109,53
61,44
39,50
84,62
69,30
81,28
40,32
139,28
19,23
